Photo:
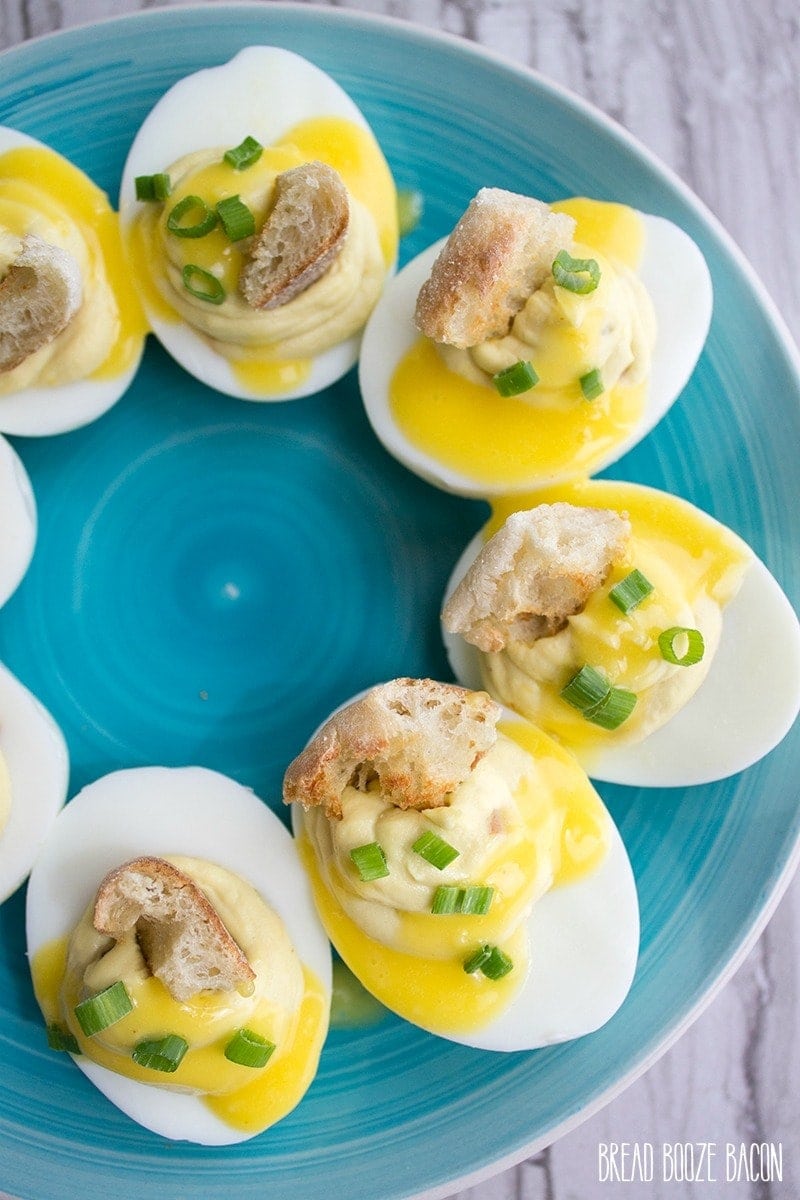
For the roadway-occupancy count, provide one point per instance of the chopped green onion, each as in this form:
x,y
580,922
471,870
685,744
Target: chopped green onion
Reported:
x,y
205,222
59,1038
514,380
212,290
410,206
579,275
615,708
695,646
237,219
473,900
370,861
592,384
631,591
161,1054
498,964
476,960
153,187
435,849
249,1049
244,155
104,1009
586,689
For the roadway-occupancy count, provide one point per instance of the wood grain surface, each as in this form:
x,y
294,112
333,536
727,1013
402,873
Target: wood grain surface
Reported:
x,y
713,87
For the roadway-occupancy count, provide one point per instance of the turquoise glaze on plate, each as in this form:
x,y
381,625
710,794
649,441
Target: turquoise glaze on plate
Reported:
x,y
211,577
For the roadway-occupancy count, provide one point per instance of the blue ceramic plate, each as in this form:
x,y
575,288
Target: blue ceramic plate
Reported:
x,y
212,577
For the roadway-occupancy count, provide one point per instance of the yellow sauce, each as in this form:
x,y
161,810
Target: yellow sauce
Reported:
x,y
36,180
551,431
437,992
5,794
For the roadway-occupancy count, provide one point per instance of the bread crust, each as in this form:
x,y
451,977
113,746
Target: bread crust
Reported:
x,y
538,570
499,253
418,738
39,295
181,936
302,235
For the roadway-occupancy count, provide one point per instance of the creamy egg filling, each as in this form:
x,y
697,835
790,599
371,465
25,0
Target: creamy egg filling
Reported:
x,y
695,566
271,350
526,819
5,794
445,402
43,194
287,1007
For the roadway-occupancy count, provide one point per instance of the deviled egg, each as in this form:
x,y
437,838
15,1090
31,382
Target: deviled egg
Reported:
x,y
464,867
71,327
260,218
632,627
536,343
34,772
192,988
18,528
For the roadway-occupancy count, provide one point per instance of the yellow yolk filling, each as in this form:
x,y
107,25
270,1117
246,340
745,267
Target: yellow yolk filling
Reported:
x,y
5,795
551,430
37,184
437,992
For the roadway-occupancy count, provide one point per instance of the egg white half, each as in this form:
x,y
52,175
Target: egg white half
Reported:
x,y
262,92
35,754
41,411
745,706
18,525
160,810
584,946
674,273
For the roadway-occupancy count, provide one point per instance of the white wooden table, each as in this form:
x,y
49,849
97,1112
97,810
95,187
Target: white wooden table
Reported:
x,y
713,87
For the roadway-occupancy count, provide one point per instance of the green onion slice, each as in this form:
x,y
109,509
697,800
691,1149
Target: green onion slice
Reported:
x,y
370,861
435,849
592,384
104,1009
204,222
59,1038
473,900
237,219
476,961
586,689
203,284
153,187
161,1054
244,155
514,380
249,1049
446,899
497,965
631,591
615,708
695,646
410,206
579,275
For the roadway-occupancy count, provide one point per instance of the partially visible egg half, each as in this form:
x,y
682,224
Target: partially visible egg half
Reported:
x,y
213,820
297,114
564,911
34,772
87,367
703,576
462,435
18,528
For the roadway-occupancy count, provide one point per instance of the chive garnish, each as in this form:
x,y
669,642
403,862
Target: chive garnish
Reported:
x,y
597,700
249,1049
237,219
153,187
476,960
104,1009
244,155
435,849
59,1038
695,646
514,380
615,708
211,289
473,900
161,1054
631,591
592,384
579,275
370,861
205,221
498,965
410,206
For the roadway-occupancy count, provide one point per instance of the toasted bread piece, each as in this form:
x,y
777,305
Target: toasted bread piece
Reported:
x,y
40,294
537,571
419,738
499,253
183,940
300,238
